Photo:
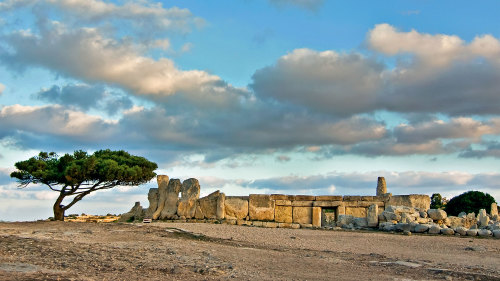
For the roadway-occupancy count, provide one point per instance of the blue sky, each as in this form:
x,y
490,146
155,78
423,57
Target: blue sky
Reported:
x,y
254,96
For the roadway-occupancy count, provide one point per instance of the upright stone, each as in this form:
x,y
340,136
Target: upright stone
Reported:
x,y
190,193
221,206
316,216
494,210
162,194
208,205
153,202
372,215
172,197
235,207
381,186
261,207
483,218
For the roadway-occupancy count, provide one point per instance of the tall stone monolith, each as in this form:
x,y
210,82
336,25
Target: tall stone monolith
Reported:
x,y
153,202
190,193
372,215
162,194
171,199
494,210
381,186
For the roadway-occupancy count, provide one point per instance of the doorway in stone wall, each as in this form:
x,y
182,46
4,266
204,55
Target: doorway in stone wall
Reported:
x,y
328,217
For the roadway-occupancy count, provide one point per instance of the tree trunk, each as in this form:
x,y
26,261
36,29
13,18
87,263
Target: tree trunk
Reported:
x,y
58,208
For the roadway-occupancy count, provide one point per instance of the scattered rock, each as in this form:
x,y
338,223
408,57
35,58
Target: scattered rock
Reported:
x,y
483,218
435,229
472,232
436,214
484,232
447,231
461,230
421,228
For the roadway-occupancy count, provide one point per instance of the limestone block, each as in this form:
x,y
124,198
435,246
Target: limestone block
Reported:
x,y
484,232
421,228
358,212
435,229
401,227
208,205
261,207
328,198
283,214
372,215
162,194
327,203
340,211
279,197
295,226
381,186
344,220
352,198
447,231
190,192
300,203
472,232
360,222
269,224
413,200
304,198
235,207
483,218
306,225
284,225
387,226
283,203
436,214
494,210
171,198
423,214
198,214
257,223
302,215
316,216
153,202
461,230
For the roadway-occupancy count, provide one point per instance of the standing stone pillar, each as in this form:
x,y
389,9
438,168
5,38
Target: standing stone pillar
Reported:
x,y
162,194
316,216
381,186
372,215
153,202
494,210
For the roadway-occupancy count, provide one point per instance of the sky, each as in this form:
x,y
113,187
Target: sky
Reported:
x,y
254,96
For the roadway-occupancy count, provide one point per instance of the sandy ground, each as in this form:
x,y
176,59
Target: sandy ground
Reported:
x,y
189,251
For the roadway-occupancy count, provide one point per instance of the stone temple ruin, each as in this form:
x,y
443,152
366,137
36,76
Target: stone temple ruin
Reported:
x,y
403,213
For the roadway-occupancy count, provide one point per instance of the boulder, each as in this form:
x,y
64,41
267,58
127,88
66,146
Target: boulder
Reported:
x,y
484,232
344,220
472,232
402,227
237,207
483,218
169,210
390,216
387,226
423,214
461,230
261,207
421,228
190,192
462,215
135,214
435,229
447,231
162,194
208,206
496,233
372,215
153,202
436,214
360,222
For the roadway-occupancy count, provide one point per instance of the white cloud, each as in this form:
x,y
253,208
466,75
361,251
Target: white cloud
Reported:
x,y
2,88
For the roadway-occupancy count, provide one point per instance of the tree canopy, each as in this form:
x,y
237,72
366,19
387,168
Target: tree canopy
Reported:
x,y
470,201
80,173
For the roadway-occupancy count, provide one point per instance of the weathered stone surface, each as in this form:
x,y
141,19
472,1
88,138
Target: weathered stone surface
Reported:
x,y
412,200
269,224
447,231
461,230
208,205
135,214
221,206
153,202
198,214
301,203
344,220
496,233
283,203
302,215
352,198
284,225
372,215
360,222
436,214
435,229
387,226
169,210
316,216
472,232
358,212
279,197
421,228
390,216
327,203
454,221
304,198
162,194
257,223
494,210
381,186
261,207
402,227
483,218
283,214
190,192
328,198
423,214
236,207
484,232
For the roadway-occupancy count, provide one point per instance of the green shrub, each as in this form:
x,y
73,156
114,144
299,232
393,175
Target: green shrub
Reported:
x,y
470,201
436,201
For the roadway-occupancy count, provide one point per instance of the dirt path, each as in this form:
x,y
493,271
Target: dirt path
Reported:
x,y
167,251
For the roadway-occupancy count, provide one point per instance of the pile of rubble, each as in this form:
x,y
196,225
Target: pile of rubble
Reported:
x,y
433,221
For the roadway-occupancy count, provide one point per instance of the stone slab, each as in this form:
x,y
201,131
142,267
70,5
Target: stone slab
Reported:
x,y
279,197
316,216
327,203
302,215
235,207
358,212
303,198
328,198
261,207
283,214
283,203
302,203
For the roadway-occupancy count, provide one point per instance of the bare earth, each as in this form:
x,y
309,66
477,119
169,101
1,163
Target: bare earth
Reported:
x,y
190,251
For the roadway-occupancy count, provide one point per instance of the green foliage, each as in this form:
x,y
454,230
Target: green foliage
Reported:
x,y
470,201
436,201
104,167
